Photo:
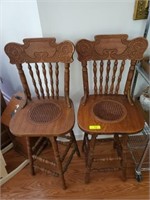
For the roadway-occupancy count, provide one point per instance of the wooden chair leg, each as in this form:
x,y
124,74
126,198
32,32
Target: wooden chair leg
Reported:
x,y
58,161
83,143
90,152
117,145
115,141
75,144
29,149
86,147
124,159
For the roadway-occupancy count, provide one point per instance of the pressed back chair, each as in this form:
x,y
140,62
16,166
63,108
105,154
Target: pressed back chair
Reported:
x,y
107,107
45,114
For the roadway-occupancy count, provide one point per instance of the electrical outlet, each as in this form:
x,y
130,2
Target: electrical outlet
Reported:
x,y
141,9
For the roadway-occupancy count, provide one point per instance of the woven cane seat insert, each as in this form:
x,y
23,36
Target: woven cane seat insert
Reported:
x,y
109,110
44,112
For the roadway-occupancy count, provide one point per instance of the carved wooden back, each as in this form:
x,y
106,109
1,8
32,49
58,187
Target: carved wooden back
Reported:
x,y
111,57
42,57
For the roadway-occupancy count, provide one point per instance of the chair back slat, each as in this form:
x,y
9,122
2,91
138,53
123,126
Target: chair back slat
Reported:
x,y
39,80
113,76
45,80
51,79
57,79
95,76
33,80
110,51
120,76
42,55
101,77
107,76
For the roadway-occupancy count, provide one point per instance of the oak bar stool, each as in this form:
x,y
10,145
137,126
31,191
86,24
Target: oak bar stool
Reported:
x,y
46,114
107,107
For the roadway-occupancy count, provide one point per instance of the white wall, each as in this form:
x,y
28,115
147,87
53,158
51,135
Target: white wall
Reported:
x,y
77,19
19,19
74,19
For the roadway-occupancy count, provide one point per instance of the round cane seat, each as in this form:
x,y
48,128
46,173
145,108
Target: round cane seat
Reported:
x,y
44,112
109,110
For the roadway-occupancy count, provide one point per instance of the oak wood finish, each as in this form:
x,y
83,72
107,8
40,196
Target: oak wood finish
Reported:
x,y
46,113
107,107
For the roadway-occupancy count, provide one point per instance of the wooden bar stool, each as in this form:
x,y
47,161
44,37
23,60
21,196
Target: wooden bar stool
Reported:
x,y
46,114
107,108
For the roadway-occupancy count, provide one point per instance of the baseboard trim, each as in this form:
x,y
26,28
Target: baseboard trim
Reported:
x,y
79,137
7,148
6,97
13,173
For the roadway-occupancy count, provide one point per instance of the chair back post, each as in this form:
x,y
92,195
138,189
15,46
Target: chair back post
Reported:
x,y
67,83
24,82
85,81
130,76
127,90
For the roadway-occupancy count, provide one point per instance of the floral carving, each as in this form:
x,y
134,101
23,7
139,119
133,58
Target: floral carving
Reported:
x,y
15,52
65,50
85,49
47,50
111,47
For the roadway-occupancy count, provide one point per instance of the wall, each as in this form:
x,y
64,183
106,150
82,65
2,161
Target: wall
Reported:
x,y
19,19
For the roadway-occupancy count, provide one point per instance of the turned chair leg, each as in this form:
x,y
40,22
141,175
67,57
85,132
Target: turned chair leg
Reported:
x,y
86,147
84,143
115,143
29,150
89,154
58,161
75,143
124,157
